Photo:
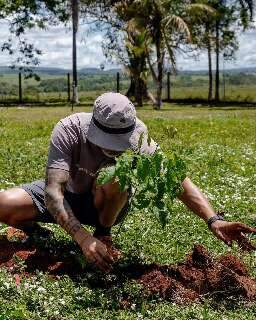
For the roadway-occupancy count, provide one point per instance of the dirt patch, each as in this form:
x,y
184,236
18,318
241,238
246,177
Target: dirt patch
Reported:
x,y
19,254
199,276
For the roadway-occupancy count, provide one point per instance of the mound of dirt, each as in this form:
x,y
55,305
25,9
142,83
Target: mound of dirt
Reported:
x,y
19,254
199,276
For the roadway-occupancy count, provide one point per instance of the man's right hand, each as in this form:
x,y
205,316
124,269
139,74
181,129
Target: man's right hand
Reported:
x,y
96,252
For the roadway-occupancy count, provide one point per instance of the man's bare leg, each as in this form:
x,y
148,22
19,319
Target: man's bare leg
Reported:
x,y
109,201
17,208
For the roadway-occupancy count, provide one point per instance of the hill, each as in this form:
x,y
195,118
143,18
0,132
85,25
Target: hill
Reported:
x,y
97,71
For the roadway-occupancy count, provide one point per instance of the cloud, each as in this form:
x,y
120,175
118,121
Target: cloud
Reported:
x,y
244,57
56,45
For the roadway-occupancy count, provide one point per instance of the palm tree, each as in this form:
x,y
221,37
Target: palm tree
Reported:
x,y
75,19
168,25
136,47
225,18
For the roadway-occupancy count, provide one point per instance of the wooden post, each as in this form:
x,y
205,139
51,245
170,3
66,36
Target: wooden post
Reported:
x,y
224,80
168,86
68,85
20,88
117,82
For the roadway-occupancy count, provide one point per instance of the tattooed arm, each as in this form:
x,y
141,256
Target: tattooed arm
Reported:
x,y
59,208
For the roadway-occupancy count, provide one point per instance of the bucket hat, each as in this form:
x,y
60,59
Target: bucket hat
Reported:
x,y
114,125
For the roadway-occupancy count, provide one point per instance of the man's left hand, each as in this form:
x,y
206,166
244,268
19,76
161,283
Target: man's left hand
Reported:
x,y
233,231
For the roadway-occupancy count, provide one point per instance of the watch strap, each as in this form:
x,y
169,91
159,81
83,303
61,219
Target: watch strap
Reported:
x,y
213,219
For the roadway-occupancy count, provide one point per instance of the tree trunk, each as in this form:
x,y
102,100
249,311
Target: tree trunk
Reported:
x,y
209,51
217,75
160,58
75,9
131,90
139,90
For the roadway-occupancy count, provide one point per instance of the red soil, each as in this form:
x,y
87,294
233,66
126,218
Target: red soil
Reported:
x,y
199,276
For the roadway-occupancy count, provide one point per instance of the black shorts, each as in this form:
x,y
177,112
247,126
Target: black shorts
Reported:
x,y
82,205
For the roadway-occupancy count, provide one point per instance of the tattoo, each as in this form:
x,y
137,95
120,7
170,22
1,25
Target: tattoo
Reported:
x,y
58,207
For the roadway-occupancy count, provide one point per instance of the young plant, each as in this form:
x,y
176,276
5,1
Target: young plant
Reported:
x,y
154,180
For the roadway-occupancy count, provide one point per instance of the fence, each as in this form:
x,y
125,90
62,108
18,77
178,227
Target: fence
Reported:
x,y
57,89
14,88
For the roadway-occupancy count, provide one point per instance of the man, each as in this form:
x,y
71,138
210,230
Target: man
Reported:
x,y
80,145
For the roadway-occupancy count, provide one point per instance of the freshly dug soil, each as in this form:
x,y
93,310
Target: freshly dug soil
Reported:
x,y
198,277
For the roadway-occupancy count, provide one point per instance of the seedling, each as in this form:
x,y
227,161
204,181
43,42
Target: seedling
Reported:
x,y
155,180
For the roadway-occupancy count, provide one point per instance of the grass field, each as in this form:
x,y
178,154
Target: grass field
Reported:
x,y
179,89
232,93
219,147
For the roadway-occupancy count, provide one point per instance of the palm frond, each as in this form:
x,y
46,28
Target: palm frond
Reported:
x,y
201,7
176,22
170,52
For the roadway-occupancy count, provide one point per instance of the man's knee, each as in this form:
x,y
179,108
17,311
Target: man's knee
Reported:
x,y
15,207
108,193
7,201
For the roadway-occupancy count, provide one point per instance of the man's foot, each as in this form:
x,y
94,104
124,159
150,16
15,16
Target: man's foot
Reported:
x,y
23,233
112,250
35,230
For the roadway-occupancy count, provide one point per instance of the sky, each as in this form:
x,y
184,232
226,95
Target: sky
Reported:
x,y
56,45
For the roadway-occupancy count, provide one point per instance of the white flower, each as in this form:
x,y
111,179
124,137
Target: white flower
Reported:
x,y
7,285
41,289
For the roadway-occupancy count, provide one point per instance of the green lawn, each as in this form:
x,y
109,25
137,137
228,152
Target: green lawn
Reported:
x,y
179,89
219,147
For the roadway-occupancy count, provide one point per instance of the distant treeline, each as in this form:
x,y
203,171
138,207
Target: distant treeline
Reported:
x,y
108,83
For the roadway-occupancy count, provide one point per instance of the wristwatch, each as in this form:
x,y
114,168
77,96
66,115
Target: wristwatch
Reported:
x,y
213,219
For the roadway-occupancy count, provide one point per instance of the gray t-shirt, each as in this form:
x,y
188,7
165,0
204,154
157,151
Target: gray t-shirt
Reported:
x,y
71,151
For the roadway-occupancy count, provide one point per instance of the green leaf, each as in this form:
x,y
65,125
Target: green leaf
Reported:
x,y
156,179
143,168
140,141
142,201
106,175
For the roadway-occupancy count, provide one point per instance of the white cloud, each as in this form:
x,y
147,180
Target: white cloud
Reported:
x,y
56,45
245,56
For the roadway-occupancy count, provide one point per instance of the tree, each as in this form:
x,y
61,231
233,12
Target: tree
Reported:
x,y
75,19
129,48
231,15
168,26
123,43
23,15
218,33
202,38
136,47
162,24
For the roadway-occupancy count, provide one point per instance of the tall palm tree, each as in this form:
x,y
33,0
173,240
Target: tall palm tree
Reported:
x,y
225,18
167,22
136,47
75,19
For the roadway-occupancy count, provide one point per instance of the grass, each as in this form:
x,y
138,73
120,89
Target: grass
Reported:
x,y
232,93
220,150
179,90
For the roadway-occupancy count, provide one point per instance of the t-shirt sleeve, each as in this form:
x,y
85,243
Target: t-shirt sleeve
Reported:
x,y
148,145
60,150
